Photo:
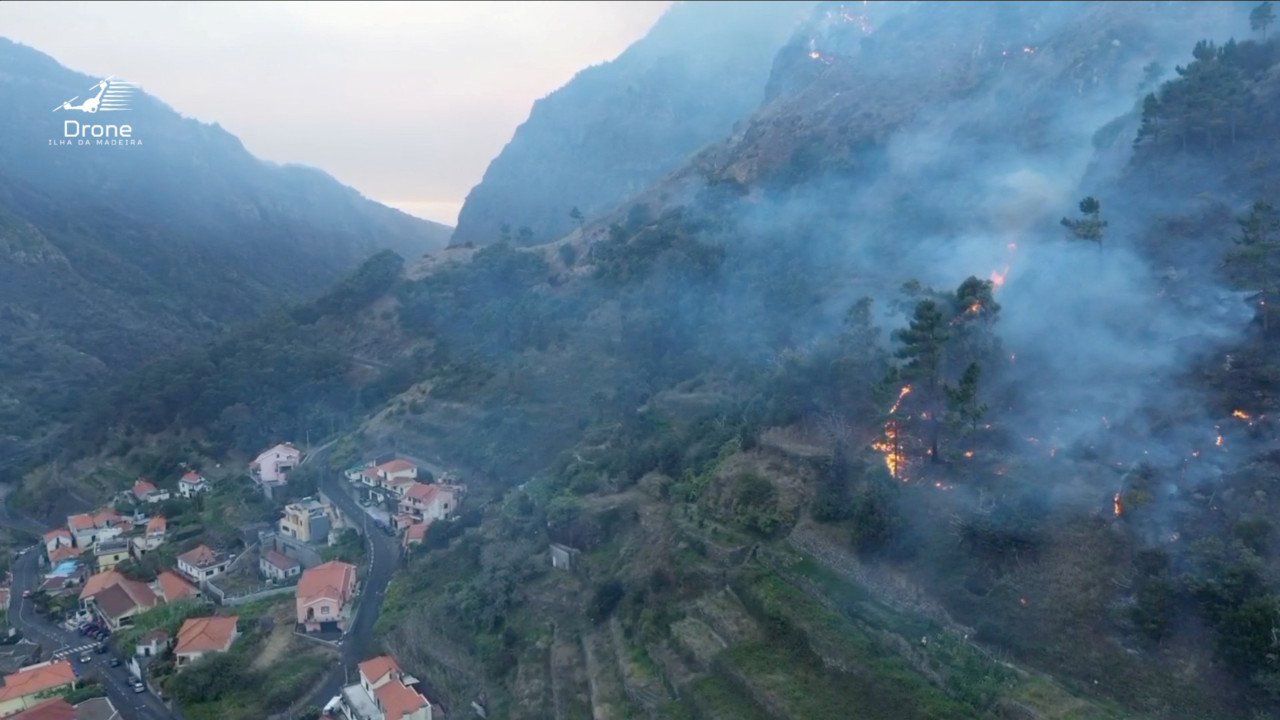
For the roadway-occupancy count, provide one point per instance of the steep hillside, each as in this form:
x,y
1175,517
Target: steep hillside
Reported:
x,y
617,127
110,255
890,405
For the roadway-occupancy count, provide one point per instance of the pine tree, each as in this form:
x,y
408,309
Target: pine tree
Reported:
x,y
963,407
1252,262
923,343
1090,226
1262,17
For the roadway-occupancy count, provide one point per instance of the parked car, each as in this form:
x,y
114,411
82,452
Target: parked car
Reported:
x,y
26,593
85,659
115,662
138,686
102,647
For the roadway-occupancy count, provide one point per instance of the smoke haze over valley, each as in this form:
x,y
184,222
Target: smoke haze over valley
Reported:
x,y
805,361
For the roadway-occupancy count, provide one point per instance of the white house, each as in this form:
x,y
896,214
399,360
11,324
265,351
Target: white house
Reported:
x,y
278,566
272,466
384,692
191,484
202,563
146,491
88,529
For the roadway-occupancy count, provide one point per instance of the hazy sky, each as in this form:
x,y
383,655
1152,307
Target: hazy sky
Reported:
x,y
406,102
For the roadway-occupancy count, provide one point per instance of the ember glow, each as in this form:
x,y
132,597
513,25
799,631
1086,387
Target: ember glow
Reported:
x,y
997,276
1241,414
890,444
1115,502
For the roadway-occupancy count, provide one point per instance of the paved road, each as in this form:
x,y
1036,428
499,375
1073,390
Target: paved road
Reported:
x,y
54,638
384,554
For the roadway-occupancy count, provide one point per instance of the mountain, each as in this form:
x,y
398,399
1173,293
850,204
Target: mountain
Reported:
x,y
942,387
112,254
617,127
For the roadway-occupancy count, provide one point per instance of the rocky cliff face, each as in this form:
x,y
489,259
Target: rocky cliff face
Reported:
x,y
618,127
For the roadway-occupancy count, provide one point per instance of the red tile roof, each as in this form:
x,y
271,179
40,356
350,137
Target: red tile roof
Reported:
x,y
192,476
51,709
175,587
157,525
280,560
57,533
143,487
106,517
397,465
374,668
65,552
335,580
101,581
422,492
206,634
83,521
397,701
416,532
200,556
37,678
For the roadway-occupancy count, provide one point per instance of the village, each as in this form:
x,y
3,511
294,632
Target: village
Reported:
x,y
152,590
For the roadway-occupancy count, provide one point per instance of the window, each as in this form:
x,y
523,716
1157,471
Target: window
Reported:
x,y
324,609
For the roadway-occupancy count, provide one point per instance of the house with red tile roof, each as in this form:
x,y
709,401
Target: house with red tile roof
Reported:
x,y
146,491
385,692
56,538
28,686
277,566
199,636
51,709
115,598
191,484
202,563
272,465
89,528
429,501
325,594
174,587
65,553
416,533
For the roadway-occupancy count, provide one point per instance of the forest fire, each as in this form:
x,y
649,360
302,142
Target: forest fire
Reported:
x,y
1116,505
1241,414
997,276
890,445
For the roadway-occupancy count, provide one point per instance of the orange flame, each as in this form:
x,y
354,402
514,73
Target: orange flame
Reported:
x,y
968,453
1241,414
997,276
1115,502
893,459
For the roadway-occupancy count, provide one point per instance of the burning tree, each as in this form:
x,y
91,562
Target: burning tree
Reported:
x,y
923,342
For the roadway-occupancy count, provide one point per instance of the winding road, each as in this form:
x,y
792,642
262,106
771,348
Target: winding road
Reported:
x,y
384,557
383,552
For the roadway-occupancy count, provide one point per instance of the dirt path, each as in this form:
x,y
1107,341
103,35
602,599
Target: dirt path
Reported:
x,y
281,636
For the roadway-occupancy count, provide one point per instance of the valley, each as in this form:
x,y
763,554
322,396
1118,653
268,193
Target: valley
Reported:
x,y
926,372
